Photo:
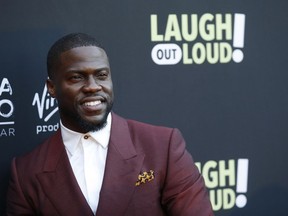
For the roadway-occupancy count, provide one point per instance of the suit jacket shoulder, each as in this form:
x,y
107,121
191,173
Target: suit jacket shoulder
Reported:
x,y
36,160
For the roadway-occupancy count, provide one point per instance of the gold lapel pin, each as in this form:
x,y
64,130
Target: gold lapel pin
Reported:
x,y
145,177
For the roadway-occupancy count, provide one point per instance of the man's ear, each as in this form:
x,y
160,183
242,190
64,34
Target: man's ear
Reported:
x,y
51,87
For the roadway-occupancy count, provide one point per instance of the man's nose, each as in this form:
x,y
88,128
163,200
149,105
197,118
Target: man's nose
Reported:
x,y
92,85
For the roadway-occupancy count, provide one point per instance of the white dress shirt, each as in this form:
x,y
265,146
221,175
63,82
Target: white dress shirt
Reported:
x,y
87,155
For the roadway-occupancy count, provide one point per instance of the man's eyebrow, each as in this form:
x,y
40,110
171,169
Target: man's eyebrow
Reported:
x,y
72,70
103,68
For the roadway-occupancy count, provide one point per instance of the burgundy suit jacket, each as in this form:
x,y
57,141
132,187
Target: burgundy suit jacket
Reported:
x,y
42,182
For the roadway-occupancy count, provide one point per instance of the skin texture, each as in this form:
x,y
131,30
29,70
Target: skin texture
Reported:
x,y
83,88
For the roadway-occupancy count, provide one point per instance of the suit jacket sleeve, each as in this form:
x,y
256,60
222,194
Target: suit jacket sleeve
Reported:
x,y
184,192
17,204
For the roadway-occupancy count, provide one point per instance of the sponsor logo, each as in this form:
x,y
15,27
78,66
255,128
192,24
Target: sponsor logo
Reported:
x,y
46,107
6,109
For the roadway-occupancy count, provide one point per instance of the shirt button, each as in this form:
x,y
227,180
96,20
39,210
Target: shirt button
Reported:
x,y
86,136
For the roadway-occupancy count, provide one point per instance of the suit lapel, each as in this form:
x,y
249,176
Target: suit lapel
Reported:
x,y
59,183
123,166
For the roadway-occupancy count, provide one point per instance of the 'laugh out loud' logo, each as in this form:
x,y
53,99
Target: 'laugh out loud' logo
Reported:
x,y
227,182
197,39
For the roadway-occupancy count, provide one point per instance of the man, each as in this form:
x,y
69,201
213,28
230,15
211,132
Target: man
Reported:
x,y
97,162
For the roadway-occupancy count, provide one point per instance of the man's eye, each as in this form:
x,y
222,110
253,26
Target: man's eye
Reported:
x,y
102,75
76,77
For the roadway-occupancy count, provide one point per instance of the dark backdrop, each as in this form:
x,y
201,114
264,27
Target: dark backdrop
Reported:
x,y
227,111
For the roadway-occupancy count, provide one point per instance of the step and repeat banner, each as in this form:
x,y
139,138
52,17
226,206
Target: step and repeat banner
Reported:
x,y
217,70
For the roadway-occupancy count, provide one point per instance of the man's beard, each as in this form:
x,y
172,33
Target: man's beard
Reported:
x,y
89,126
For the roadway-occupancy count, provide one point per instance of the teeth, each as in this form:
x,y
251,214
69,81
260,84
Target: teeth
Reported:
x,y
92,103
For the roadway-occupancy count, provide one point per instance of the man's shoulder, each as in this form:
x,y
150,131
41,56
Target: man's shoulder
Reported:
x,y
37,155
143,126
141,130
147,126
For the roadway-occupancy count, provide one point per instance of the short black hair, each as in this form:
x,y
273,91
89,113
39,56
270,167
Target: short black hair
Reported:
x,y
66,43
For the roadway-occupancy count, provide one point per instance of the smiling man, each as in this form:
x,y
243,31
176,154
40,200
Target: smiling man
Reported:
x,y
81,82
99,163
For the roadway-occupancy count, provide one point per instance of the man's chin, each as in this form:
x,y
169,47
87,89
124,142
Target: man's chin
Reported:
x,y
88,126
92,124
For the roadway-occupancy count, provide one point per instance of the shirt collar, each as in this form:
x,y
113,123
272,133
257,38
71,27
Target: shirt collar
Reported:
x,y
102,136
71,139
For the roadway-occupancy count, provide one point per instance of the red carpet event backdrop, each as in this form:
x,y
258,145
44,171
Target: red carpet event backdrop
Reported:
x,y
217,70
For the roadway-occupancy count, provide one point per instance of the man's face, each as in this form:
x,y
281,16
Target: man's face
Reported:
x,y
83,88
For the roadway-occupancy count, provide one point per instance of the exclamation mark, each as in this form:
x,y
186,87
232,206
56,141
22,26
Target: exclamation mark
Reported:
x,y
242,182
238,37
